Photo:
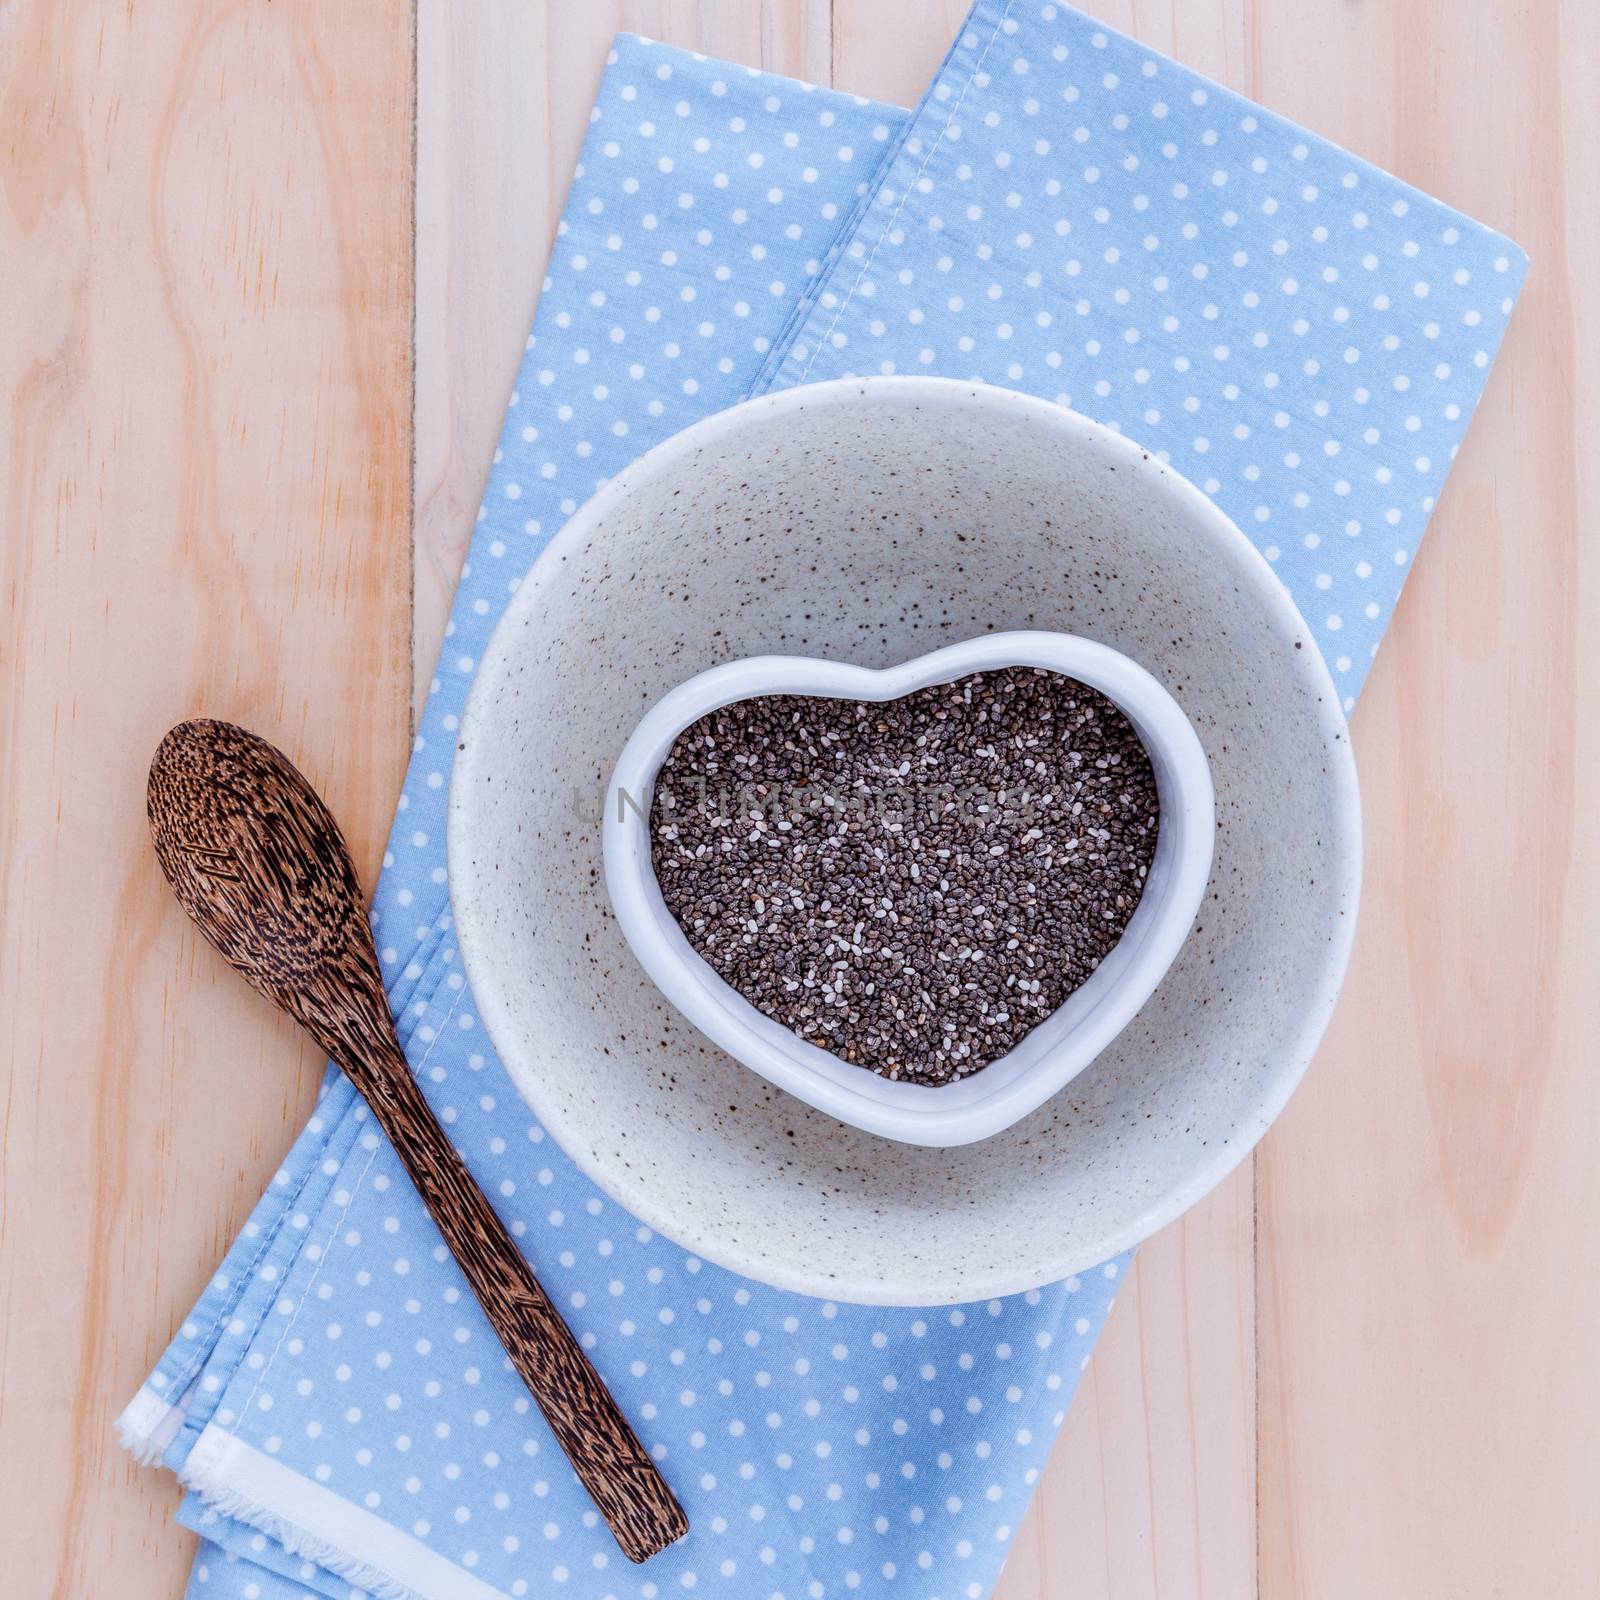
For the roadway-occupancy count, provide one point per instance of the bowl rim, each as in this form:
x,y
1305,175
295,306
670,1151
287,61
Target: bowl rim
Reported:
x,y
1216,1160
1045,1061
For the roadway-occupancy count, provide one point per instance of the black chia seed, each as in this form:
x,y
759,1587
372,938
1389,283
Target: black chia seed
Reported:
x,y
915,886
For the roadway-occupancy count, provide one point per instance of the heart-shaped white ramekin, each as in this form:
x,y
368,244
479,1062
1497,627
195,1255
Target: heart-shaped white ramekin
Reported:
x,y
1060,1047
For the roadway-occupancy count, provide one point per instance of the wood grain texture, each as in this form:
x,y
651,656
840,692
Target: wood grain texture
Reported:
x,y
1428,1296
205,264
503,95
258,861
1399,1330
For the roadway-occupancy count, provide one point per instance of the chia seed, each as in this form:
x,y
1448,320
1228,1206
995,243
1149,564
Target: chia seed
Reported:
x,y
915,886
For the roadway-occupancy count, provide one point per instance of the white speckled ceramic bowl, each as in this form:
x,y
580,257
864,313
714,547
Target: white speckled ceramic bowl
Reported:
x,y
871,521
1063,1044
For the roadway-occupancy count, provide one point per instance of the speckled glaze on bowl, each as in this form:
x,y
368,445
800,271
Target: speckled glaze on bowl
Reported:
x,y
871,521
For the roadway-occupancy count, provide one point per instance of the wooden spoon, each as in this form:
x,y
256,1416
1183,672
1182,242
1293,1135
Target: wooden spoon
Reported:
x,y
256,858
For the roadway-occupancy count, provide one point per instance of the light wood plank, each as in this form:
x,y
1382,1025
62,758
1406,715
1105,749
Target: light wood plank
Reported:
x,y
205,269
1429,1392
503,96
492,167
1151,1488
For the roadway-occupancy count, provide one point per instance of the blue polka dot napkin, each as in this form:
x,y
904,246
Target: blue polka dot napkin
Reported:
x,y
1296,331
1065,213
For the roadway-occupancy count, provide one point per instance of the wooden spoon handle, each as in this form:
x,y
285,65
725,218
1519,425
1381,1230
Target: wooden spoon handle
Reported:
x,y
604,1451
257,859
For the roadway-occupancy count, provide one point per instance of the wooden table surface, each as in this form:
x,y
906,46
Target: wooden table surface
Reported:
x,y
265,270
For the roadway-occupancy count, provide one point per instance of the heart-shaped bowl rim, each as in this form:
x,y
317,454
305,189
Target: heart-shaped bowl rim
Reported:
x,y
1051,1054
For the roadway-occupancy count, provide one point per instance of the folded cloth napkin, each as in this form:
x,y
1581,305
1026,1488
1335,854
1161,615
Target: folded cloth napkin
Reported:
x,y
1067,213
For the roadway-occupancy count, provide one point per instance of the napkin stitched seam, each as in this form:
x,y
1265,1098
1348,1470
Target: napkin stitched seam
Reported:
x,y
766,375
230,1303
338,1222
906,192
311,1282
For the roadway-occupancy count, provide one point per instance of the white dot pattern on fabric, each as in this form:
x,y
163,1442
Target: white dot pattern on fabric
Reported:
x,y
726,232
1294,330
